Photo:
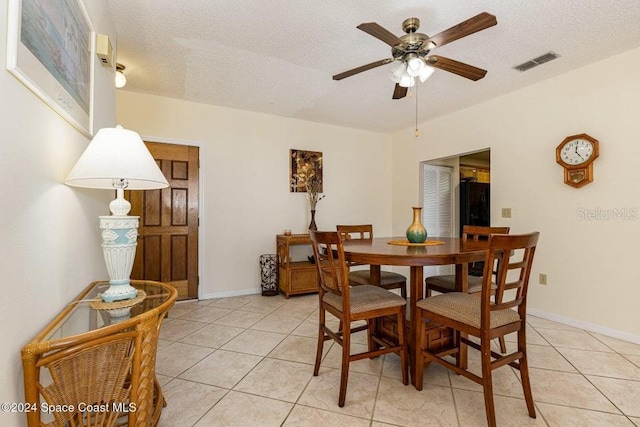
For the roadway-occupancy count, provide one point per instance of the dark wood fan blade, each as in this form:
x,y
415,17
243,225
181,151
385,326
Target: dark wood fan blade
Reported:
x,y
456,67
381,33
399,92
361,69
472,25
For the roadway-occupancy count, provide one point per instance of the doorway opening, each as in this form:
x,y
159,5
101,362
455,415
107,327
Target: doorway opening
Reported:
x,y
456,191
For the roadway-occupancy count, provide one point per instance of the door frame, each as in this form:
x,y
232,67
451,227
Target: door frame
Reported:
x,y
454,162
201,185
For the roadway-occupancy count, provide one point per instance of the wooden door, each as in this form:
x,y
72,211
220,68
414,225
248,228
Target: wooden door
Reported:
x,y
168,233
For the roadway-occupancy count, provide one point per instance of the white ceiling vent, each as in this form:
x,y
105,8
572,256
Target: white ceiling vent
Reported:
x,y
549,56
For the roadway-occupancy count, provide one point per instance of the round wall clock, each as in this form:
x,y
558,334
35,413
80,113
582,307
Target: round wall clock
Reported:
x,y
576,154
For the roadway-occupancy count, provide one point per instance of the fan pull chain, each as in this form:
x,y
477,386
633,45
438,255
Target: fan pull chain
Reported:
x,y
417,131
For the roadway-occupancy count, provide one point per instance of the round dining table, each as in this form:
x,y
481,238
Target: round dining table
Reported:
x,y
435,251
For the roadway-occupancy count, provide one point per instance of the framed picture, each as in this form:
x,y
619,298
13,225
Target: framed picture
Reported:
x,y
305,171
50,50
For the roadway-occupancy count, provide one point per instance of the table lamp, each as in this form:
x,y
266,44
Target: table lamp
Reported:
x,y
117,158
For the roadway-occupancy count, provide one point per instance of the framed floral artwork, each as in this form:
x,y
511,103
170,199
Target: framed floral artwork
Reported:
x,y
305,171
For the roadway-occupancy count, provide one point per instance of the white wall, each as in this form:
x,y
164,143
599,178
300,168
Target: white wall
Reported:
x,y
245,174
50,239
592,265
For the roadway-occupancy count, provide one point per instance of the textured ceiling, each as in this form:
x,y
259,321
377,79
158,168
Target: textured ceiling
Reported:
x,y
278,56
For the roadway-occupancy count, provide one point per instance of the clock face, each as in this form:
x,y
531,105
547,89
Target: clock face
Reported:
x,y
576,151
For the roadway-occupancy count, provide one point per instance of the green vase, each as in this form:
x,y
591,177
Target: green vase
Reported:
x,y
416,233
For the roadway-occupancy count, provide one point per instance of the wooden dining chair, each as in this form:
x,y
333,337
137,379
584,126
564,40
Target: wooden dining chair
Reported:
x,y
447,283
348,304
388,279
486,320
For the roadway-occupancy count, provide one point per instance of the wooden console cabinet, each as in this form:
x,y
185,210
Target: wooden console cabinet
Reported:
x,y
295,277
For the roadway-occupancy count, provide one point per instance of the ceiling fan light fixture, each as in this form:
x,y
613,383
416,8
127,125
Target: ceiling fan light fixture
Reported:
x,y
121,80
425,73
406,80
396,72
415,66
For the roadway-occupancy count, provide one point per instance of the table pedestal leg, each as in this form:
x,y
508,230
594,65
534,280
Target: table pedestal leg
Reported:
x,y
417,293
374,274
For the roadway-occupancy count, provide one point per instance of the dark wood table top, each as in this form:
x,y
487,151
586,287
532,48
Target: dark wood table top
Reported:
x,y
379,251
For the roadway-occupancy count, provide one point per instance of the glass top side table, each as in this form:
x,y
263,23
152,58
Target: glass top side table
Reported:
x,y
99,360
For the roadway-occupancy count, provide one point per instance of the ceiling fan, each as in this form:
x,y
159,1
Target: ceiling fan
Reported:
x,y
412,49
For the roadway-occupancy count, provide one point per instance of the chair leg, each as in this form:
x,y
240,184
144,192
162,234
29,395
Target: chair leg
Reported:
x,y
404,353
419,362
316,368
403,290
524,373
503,345
456,339
370,332
344,371
487,383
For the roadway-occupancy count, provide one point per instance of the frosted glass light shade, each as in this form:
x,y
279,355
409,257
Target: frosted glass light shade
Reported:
x,y
121,79
406,80
117,154
414,66
397,71
426,72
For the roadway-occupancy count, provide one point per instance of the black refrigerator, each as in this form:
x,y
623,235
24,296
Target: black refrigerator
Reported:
x,y
474,204
474,210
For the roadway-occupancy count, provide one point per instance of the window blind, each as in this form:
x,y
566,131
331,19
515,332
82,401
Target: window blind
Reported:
x,y
437,207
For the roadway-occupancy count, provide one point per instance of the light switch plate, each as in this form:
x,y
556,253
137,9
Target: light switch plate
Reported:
x,y
506,212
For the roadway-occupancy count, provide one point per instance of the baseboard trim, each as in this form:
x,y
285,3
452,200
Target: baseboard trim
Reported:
x,y
613,333
238,293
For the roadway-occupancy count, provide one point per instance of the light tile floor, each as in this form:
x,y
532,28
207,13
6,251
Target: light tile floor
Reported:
x,y
248,361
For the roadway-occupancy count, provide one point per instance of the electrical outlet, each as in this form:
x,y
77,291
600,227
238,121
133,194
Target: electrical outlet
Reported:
x,y
543,279
506,212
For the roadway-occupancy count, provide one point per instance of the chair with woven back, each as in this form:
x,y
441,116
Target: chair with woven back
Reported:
x,y
480,317
349,305
91,380
388,279
447,283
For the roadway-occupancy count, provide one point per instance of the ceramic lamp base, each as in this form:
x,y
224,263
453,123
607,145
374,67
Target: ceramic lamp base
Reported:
x,y
119,292
119,241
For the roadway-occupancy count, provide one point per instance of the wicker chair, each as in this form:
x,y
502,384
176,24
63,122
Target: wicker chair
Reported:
x,y
93,380
469,315
364,302
447,283
388,279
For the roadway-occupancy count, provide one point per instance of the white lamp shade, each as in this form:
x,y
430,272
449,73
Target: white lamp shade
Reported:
x,y
117,154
